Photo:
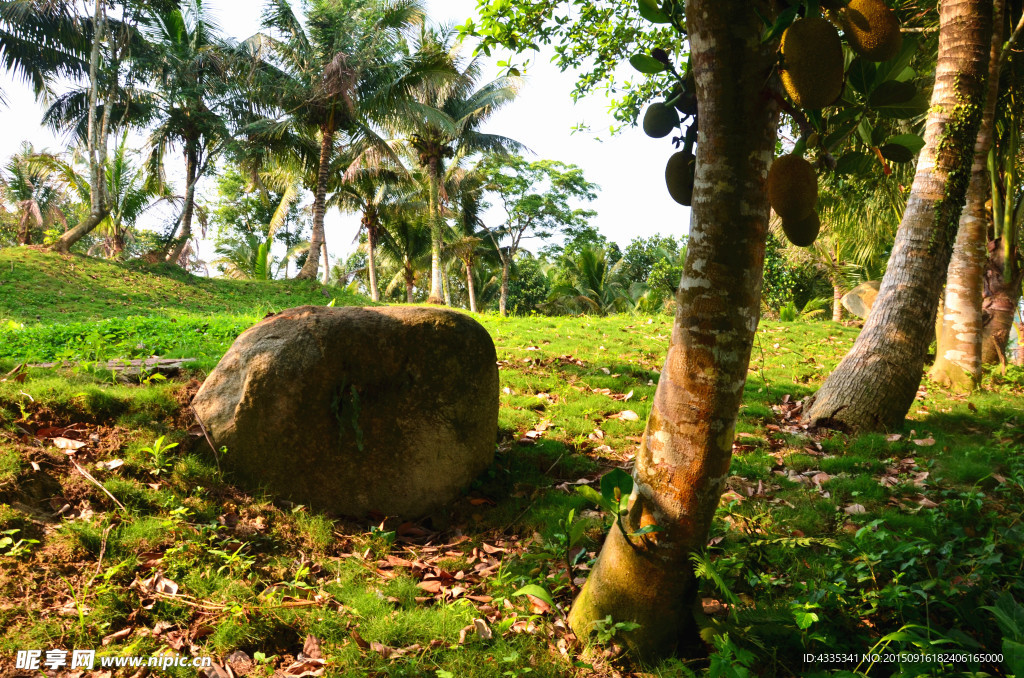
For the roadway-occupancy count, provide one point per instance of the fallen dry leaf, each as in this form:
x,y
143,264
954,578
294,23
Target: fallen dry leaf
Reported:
x,y
854,509
629,415
68,444
893,437
925,442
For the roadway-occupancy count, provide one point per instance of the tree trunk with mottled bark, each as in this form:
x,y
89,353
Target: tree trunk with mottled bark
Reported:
x,y
503,298
958,353
470,288
371,262
312,264
434,170
837,303
875,384
684,458
177,245
1019,358
96,144
1000,301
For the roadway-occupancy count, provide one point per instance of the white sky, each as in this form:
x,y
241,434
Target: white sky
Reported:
x,y
629,168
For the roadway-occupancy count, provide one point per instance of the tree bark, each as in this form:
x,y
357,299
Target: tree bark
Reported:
x,y
434,171
958,352
408,287
503,299
1019,358
178,244
1000,302
684,457
837,303
96,144
327,263
470,289
312,264
875,384
371,263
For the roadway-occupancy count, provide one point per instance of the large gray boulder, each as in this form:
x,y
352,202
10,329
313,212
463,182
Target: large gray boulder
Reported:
x,y
352,410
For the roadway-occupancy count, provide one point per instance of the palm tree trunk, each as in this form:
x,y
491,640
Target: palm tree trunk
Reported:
x,y
177,245
371,263
1019,358
685,453
96,137
503,299
408,286
327,263
875,384
446,286
958,349
312,265
470,290
25,228
1000,302
837,303
434,170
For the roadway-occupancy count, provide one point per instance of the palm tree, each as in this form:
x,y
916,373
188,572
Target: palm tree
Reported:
x,y
38,196
442,125
465,240
405,247
378,194
327,77
590,285
189,64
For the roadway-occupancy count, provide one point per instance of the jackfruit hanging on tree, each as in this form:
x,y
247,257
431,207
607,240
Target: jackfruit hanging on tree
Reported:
x,y
802,232
812,62
679,175
792,187
872,29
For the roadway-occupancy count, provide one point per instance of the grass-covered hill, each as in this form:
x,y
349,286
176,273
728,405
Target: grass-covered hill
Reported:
x,y
910,541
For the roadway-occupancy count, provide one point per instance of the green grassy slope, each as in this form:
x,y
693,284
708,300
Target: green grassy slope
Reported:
x,y
55,307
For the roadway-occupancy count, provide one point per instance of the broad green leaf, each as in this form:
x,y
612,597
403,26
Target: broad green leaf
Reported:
x,y
892,92
647,529
912,142
592,495
646,64
576,532
783,22
537,592
917,106
839,133
888,70
896,153
617,479
649,10
864,130
861,75
854,163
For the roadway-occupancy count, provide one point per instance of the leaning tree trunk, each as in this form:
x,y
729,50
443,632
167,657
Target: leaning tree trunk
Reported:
x,y
177,246
684,457
327,263
312,264
96,144
958,352
470,289
875,384
1000,302
503,298
837,303
434,171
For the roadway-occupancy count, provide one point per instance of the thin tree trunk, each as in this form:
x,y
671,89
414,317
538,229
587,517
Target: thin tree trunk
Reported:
x,y
408,289
958,352
1000,301
371,263
837,303
875,384
470,289
177,245
446,286
96,137
503,299
1019,358
25,228
434,169
684,457
312,265
327,263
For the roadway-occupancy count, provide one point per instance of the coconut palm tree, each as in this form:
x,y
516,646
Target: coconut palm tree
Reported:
x,y
329,76
589,284
28,181
190,66
441,125
405,246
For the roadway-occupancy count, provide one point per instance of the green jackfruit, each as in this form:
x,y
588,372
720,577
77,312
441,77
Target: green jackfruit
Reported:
x,y
812,63
660,119
803,232
872,29
679,173
792,187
